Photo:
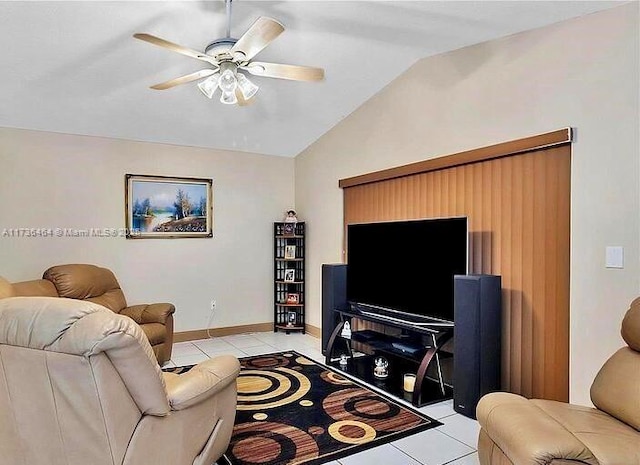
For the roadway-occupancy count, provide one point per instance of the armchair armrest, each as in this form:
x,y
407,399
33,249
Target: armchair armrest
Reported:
x,y
526,434
201,382
149,313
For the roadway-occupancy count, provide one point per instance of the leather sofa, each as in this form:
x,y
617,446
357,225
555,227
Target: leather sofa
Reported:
x,y
519,431
99,285
79,385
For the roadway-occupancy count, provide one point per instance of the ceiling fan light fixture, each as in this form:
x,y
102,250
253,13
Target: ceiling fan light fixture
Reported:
x,y
227,56
227,81
247,87
209,85
228,98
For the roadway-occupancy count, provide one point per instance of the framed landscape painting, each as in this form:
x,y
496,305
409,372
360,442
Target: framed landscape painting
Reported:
x,y
168,207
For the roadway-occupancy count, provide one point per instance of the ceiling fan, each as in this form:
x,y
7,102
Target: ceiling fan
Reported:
x,y
228,58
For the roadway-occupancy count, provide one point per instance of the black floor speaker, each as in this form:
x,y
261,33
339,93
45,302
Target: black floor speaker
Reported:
x,y
334,295
476,336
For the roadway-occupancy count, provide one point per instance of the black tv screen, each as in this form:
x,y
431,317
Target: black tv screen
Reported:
x,y
407,266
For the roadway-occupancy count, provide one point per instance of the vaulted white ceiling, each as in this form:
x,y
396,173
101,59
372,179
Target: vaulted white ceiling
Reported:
x,y
73,66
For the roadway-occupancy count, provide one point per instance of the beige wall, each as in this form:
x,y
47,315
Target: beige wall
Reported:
x,y
582,73
62,181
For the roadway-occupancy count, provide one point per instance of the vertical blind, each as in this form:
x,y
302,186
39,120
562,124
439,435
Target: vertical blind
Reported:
x,y
518,208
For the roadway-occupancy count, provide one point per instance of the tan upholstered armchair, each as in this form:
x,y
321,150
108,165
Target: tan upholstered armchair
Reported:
x,y
96,284
80,385
519,431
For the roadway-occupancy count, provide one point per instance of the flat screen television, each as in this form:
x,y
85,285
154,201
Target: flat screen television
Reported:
x,y
406,267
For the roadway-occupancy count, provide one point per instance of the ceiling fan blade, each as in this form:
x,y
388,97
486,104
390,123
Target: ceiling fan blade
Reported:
x,y
293,72
175,47
241,100
258,36
184,79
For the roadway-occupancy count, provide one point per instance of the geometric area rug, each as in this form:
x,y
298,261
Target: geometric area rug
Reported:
x,y
292,410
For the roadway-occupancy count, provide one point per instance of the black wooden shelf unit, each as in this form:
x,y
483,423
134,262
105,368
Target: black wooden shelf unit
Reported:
x,y
289,276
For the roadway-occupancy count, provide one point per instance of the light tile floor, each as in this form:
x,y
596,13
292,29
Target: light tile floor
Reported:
x,y
453,443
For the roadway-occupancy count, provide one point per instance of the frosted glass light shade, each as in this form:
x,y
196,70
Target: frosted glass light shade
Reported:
x,y
229,98
209,85
247,87
227,81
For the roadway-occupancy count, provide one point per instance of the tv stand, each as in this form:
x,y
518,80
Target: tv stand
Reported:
x,y
418,349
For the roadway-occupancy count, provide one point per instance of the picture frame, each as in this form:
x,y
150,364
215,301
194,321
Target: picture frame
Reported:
x,y
165,207
293,298
289,275
289,252
291,318
289,229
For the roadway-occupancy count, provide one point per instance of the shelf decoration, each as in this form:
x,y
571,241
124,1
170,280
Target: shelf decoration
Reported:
x,y
290,217
409,382
290,252
289,275
346,330
381,368
293,298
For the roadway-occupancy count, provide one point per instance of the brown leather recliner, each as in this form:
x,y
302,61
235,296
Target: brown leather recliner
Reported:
x,y
99,285
80,385
519,431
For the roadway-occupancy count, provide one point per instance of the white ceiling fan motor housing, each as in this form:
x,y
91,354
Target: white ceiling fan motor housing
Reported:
x,y
219,49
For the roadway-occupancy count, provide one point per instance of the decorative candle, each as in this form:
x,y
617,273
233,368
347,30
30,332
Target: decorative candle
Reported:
x,y
409,382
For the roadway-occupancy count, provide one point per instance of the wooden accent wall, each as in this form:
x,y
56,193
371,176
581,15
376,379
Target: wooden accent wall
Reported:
x,y
518,208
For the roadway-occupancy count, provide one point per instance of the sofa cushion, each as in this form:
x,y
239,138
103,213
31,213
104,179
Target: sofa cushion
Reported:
x,y
113,300
6,288
611,441
616,387
35,288
85,329
149,313
631,326
87,282
509,418
155,332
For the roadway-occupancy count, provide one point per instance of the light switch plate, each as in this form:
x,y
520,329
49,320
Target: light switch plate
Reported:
x,y
614,257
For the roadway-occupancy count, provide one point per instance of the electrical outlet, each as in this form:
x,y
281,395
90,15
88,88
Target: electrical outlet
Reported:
x,y
213,304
